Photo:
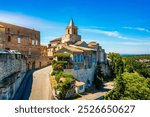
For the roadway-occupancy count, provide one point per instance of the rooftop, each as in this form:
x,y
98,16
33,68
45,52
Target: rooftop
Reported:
x,y
73,49
57,39
83,48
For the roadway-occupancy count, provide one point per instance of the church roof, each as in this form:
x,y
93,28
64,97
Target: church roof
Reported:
x,y
83,48
91,44
57,39
73,49
78,43
71,22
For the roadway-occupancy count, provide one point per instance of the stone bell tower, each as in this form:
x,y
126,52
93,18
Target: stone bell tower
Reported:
x,y
71,35
72,29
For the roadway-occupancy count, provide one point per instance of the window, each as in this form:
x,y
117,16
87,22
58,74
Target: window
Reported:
x,y
94,60
76,67
75,58
36,42
19,39
9,38
32,42
81,87
81,58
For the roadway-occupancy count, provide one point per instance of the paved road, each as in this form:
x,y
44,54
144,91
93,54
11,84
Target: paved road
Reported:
x,y
98,95
41,87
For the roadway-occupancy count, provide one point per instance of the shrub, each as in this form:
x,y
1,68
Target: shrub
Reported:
x,y
58,76
130,86
67,75
53,62
55,73
64,87
58,67
62,63
63,56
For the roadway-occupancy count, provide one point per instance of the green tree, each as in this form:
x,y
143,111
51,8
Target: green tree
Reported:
x,y
64,87
117,64
98,77
130,86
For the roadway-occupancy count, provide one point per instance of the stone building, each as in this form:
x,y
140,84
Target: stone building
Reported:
x,y
84,56
24,40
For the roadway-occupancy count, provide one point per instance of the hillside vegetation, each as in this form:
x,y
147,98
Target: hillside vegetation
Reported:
x,y
132,77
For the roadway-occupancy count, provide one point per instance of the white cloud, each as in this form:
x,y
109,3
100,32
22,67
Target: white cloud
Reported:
x,y
136,43
114,34
22,20
137,28
47,28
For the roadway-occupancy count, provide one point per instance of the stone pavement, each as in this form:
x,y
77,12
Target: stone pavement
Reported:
x,y
41,87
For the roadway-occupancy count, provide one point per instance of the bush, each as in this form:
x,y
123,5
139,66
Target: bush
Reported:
x,y
58,67
58,76
62,63
67,75
64,87
130,86
63,56
55,73
53,62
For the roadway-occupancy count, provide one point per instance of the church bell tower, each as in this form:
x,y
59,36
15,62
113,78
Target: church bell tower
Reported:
x,y
72,29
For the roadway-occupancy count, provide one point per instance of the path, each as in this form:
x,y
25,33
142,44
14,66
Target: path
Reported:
x,y
41,87
98,95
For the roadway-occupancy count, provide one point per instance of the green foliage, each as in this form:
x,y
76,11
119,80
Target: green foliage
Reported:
x,y
55,73
62,63
64,80
64,87
130,81
132,64
63,56
58,76
130,86
58,67
117,64
53,62
98,77
67,75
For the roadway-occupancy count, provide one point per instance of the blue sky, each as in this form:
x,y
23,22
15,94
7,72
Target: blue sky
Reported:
x,y
121,26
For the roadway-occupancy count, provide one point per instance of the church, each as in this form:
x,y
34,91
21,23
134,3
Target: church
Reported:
x,y
84,56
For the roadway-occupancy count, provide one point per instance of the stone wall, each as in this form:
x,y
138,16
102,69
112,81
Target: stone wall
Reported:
x,y
84,75
12,72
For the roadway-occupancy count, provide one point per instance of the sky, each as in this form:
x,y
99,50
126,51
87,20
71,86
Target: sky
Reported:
x,y
121,26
